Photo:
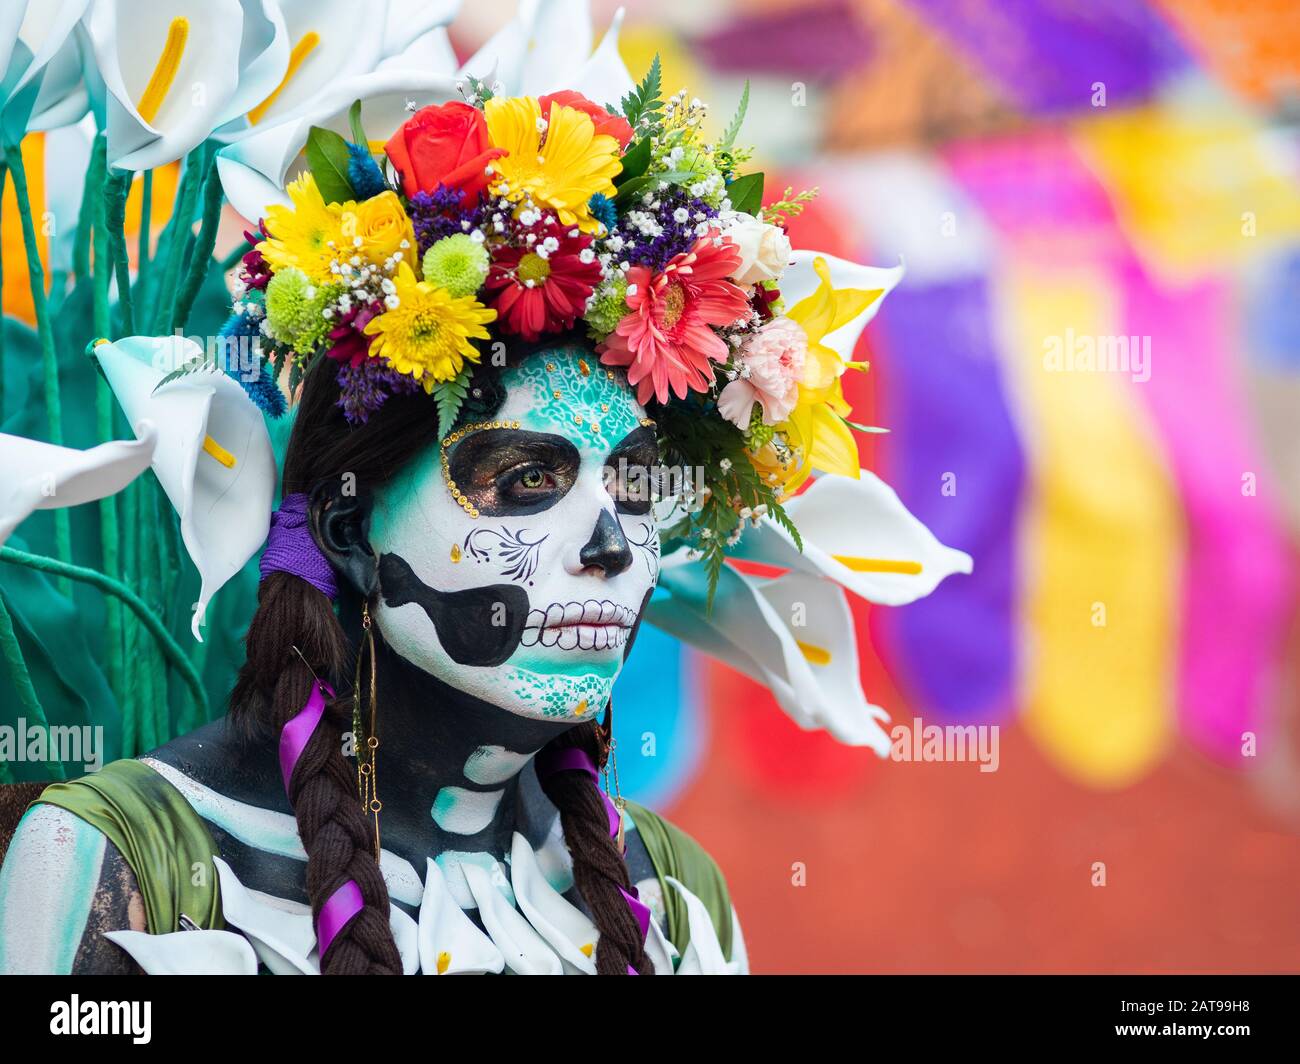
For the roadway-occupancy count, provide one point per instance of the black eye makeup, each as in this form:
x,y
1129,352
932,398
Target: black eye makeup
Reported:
x,y
631,472
505,472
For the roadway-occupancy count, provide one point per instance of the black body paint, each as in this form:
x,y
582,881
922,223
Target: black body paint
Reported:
x,y
466,621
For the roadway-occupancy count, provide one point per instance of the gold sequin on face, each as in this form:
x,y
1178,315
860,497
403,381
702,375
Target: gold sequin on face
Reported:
x,y
583,368
461,499
455,552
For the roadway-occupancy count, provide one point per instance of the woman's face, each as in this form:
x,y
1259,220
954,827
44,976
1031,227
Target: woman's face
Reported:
x,y
516,559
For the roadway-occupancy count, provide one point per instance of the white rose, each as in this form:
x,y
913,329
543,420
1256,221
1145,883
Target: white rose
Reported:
x,y
764,249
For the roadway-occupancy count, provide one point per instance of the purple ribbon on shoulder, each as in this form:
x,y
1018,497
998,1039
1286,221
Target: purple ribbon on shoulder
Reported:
x,y
291,549
574,759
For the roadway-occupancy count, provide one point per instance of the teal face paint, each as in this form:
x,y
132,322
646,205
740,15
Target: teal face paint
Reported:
x,y
551,567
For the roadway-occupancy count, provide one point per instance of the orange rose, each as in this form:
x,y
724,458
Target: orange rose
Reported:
x,y
443,144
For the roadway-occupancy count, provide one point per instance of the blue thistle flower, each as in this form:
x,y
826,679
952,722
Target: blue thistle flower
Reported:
x,y
602,208
364,173
260,386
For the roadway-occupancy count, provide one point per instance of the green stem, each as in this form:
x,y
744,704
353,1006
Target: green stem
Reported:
x,y
175,236
45,329
202,254
171,650
13,656
146,233
116,189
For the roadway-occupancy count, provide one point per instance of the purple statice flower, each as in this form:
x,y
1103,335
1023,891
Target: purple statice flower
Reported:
x,y
363,388
253,268
441,213
650,236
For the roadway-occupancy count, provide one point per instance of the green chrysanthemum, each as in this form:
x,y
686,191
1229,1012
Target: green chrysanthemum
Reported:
x,y
295,309
608,308
457,263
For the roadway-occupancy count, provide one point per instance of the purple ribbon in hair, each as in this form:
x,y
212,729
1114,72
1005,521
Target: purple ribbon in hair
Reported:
x,y
346,902
340,907
574,759
291,549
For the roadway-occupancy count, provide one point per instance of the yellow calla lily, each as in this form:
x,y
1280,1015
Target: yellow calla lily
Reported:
x,y
826,310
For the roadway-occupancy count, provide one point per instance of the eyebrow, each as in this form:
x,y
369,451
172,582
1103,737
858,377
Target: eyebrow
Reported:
x,y
641,436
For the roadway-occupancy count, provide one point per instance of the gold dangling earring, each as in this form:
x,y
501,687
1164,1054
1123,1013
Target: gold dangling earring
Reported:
x,y
609,763
367,760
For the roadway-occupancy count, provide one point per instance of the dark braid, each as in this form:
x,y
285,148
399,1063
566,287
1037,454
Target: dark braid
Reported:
x,y
275,683
598,867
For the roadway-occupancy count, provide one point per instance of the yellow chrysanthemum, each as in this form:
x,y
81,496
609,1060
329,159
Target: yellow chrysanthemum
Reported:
x,y
561,170
306,235
816,430
427,335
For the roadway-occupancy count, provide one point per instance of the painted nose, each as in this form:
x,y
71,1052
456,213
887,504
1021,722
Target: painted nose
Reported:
x,y
607,549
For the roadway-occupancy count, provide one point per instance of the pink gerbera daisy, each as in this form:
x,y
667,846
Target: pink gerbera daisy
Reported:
x,y
667,341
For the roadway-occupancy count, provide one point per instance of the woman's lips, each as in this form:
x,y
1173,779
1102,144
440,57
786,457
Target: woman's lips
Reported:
x,y
590,625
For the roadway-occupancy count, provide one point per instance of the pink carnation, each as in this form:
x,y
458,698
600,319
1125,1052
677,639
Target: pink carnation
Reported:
x,y
771,361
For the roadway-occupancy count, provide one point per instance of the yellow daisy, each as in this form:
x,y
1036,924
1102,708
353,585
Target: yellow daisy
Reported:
x,y
306,235
427,335
562,169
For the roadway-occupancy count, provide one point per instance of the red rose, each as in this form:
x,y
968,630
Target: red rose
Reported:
x,y
445,144
606,123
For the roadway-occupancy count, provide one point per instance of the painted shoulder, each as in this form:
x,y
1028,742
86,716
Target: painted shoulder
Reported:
x,y
62,885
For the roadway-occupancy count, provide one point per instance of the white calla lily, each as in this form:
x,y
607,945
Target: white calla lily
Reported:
x,y
43,476
547,47
263,63
410,20
859,534
807,658
67,155
801,280
188,952
168,73
214,456
524,950
33,34
566,928
282,936
255,170
430,53
449,942
703,954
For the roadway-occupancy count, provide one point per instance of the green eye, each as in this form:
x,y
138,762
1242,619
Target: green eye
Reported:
x,y
533,478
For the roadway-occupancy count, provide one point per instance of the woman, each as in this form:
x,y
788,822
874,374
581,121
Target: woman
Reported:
x,y
488,666
494,332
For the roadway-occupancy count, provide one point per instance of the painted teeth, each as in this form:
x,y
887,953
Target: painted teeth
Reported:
x,y
589,625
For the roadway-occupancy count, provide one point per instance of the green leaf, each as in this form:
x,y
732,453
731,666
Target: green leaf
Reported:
x,y
643,102
195,365
647,183
746,193
327,155
862,428
354,122
635,161
729,137
449,395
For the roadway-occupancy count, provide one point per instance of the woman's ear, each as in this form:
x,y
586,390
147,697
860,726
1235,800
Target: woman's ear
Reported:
x,y
340,525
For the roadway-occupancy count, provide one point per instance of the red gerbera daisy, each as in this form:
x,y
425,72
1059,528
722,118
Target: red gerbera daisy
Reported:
x,y
544,286
667,341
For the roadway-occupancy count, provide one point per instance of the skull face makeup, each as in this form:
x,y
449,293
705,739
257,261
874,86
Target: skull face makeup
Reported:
x,y
515,560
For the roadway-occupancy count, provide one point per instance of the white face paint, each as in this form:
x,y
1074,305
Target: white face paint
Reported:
x,y
554,569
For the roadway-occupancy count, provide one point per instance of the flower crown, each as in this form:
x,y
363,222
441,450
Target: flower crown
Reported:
x,y
537,216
